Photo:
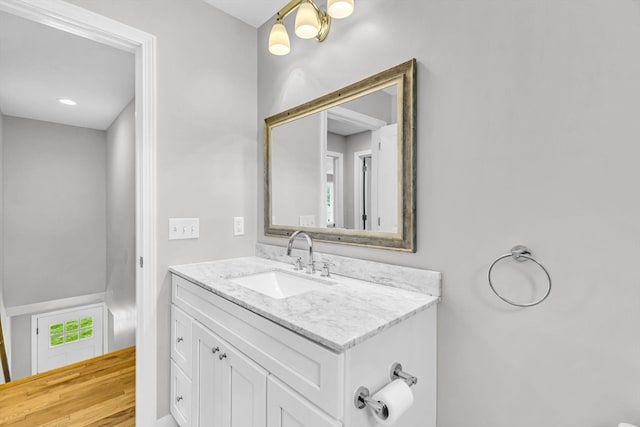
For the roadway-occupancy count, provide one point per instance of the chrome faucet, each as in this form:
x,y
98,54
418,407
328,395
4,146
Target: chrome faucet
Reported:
x,y
310,264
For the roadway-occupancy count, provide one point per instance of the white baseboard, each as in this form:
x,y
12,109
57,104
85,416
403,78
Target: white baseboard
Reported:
x,y
166,421
58,304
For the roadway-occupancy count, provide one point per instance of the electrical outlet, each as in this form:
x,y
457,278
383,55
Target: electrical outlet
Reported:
x,y
238,226
307,221
184,228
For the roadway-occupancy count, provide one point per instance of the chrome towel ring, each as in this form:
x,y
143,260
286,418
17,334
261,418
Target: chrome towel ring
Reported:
x,y
520,253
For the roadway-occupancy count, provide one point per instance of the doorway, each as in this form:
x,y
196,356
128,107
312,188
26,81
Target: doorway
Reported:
x,y
78,21
362,190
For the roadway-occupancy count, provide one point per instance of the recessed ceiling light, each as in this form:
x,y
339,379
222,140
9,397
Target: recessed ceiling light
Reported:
x,y
67,101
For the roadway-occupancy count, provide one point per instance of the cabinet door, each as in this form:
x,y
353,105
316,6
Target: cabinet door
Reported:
x,y
229,389
286,408
180,396
207,379
244,400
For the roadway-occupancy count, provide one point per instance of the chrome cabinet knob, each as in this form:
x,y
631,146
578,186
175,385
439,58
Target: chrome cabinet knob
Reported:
x,y
214,350
180,339
222,356
178,399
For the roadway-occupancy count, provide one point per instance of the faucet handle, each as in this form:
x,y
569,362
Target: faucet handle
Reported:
x,y
297,263
325,269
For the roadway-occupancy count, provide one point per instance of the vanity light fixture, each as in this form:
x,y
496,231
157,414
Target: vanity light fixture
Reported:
x,y
311,22
67,101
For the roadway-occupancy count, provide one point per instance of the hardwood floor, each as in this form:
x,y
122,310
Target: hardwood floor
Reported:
x,y
96,392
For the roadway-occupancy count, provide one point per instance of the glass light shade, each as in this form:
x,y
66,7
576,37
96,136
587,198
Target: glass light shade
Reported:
x,y
307,22
339,8
279,40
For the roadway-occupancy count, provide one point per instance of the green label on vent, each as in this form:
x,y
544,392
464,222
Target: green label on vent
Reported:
x,y
71,337
56,340
86,322
86,333
72,325
58,328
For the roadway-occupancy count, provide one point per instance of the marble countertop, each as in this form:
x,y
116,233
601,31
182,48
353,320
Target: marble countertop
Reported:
x,y
341,314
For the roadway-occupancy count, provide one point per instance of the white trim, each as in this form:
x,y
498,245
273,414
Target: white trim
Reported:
x,y
34,329
41,307
322,212
375,174
345,115
338,181
166,421
76,20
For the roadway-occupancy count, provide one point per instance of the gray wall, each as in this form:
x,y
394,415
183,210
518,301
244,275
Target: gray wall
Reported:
x,y
121,244
527,134
54,217
206,135
54,211
297,166
20,346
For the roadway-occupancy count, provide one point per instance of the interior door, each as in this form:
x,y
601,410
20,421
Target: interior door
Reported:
x,y
68,336
387,180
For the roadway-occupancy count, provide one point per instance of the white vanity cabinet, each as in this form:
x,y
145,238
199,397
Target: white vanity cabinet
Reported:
x,y
247,371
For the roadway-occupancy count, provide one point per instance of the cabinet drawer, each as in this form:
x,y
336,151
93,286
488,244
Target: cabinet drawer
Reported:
x,y
285,408
180,396
312,370
181,339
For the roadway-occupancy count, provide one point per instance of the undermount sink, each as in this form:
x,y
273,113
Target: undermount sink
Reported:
x,y
278,284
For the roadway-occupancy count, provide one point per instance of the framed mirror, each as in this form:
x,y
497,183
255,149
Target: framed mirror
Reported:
x,y
342,166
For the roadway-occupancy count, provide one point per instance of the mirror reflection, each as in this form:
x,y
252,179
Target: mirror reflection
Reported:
x,y
341,164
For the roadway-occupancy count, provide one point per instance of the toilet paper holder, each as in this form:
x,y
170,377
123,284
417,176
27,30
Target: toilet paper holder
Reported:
x,y
362,399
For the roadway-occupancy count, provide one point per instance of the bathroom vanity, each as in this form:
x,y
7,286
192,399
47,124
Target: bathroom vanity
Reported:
x,y
243,358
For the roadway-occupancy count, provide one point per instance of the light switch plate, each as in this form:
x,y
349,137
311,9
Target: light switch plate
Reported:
x,y
184,228
238,226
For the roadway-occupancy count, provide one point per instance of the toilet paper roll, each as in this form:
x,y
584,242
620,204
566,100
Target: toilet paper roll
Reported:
x,y
397,396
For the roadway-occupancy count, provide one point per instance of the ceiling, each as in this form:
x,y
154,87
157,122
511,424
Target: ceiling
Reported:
x,y
39,65
253,12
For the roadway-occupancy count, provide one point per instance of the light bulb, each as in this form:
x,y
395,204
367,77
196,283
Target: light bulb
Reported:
x,y
279,39
307,22
339,8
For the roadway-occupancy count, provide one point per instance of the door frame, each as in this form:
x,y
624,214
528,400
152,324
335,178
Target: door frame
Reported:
x,y
34,331
81,22
338,180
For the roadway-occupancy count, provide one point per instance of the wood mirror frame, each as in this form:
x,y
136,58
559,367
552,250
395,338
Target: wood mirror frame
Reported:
x,y
404,77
